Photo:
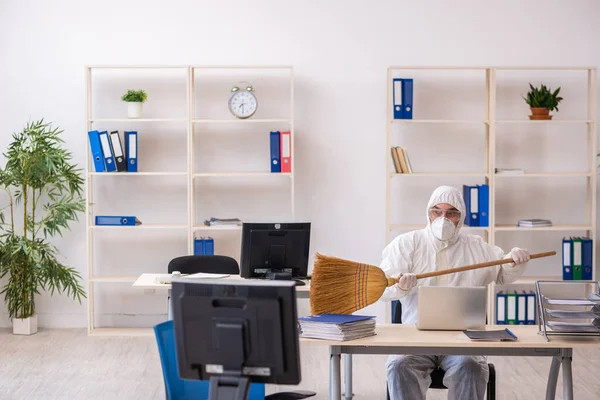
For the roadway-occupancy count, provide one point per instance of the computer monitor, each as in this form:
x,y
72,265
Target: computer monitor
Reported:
x,y
234,332
275,250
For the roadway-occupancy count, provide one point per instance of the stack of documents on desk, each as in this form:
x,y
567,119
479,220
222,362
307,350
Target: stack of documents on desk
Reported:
x,y
340,327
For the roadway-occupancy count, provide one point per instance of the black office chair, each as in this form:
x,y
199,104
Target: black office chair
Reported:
x,y
437,376
212,264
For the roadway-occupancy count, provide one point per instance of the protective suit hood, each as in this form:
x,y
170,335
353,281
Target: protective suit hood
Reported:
x,y
448,195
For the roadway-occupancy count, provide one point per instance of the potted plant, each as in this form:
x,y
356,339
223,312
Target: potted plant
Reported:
x,y
541,101
134,100
44,194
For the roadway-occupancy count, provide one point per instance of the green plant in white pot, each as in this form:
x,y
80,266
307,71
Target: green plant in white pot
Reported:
x,y
44,194
134,99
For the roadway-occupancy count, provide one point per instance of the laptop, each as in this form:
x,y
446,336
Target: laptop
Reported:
x,y
451,307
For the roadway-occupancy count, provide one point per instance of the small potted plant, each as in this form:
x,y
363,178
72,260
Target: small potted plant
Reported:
x,y
541,101
134,100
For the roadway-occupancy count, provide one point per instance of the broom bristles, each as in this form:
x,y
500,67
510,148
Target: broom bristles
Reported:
x,y
341,286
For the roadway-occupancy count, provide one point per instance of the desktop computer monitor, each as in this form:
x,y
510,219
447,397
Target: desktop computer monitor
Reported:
x,y
234,332
275,250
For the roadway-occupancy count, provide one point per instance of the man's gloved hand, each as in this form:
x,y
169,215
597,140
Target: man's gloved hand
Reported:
x,y
519,256
407,281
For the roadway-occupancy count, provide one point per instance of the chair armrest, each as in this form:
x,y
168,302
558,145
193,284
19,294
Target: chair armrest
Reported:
x,y
296,394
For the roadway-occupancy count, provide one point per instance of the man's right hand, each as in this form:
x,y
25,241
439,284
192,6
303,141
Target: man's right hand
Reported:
x,y
407,281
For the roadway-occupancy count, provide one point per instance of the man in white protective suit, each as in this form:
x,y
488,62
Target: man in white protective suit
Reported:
x,y
439,246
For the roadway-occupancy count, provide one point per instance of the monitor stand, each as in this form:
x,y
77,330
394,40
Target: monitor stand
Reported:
x,y
228,388
279,276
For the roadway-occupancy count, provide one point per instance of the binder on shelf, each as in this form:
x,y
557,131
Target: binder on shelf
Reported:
x,y
587,251
198,246
115,142
531,309
115,220
521,308
397,99
511,308
483,201
131,144
96,149
109,159
204,246
500,308
275,152
407,98
567,266
286,152
471,198
577,259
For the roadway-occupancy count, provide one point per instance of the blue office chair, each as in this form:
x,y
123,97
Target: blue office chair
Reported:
x,y
437,376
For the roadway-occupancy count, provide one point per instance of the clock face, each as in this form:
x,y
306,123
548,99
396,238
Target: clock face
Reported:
x,y
242,104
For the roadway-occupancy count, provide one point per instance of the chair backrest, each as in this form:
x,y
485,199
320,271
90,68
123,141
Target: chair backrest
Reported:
x,y
396,312
213,264
184,389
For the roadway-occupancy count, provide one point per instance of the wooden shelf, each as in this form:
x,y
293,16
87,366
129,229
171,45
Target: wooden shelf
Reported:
x,y
440,121
142,226
138,120
113,278
137,173
122,332
241,173
241,121
413,227
546,121
217,228
543,175
530,280
543,228
417,174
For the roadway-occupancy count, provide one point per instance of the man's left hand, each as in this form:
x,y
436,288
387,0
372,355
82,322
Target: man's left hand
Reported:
x,y
520,256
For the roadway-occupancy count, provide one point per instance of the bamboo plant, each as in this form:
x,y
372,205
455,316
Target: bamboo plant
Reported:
x,y
43,194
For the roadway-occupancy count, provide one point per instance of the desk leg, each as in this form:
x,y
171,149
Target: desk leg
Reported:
x,y
348,376
553,378
335,384
567,357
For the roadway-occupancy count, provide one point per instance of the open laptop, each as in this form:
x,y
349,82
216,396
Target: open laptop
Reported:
x,y
451,307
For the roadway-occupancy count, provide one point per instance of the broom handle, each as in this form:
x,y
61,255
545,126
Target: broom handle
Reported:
x,y
480,265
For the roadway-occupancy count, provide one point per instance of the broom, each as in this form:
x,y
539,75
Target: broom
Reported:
x,y
341,286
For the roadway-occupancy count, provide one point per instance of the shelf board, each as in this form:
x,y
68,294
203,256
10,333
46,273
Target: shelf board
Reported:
x,y
440,121
138,173
530,280
137,120
544,228
241,173
416,174
113,278
142,226
542,175
546,121
240,121
412,227
217,228
122,332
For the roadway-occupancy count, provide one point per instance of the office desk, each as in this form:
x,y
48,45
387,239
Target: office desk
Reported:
x,y
148,281
407,339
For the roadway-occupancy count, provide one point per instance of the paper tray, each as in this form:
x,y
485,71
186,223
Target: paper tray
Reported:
x,y
572,327
592,300
572,314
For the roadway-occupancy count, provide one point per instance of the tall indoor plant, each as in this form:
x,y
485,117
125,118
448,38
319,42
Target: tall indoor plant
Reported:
x,y
43,194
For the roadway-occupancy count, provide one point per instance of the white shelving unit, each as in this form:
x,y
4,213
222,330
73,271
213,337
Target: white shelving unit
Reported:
x,y
189,178
488,176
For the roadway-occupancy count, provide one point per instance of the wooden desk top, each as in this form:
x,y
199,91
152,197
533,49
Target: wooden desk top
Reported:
x,y
148,281
406,335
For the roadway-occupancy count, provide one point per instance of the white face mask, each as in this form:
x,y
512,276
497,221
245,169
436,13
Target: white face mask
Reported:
x,y
443,228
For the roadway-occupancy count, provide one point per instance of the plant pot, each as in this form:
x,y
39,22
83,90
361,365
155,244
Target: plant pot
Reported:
x,y
26,326
540,113
134,109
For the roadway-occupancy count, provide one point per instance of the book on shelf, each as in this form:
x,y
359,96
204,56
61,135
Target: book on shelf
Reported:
x,y
534,223
341,327
222,221
401,160
281,151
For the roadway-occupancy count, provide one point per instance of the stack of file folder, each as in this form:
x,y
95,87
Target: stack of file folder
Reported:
x,y
577,258
222,221
534,223
341,327
516,308
109,154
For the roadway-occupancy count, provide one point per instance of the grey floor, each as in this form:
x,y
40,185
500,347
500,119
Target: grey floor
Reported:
x,y
67,364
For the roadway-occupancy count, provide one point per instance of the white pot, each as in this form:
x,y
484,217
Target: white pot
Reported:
x,y
27,326
134,109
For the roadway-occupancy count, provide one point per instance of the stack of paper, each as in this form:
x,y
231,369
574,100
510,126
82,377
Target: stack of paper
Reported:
x,y
340,327
534,223
222,221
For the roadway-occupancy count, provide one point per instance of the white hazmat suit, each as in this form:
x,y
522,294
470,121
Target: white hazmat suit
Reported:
x,y
421,251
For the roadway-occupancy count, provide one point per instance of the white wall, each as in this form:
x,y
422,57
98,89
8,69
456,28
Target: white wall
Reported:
x,y
340,52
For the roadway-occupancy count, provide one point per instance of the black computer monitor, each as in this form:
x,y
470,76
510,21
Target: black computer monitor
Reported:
x,y
275,250
234,332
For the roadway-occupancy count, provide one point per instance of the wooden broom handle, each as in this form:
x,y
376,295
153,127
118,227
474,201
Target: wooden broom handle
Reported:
x,y
480,265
